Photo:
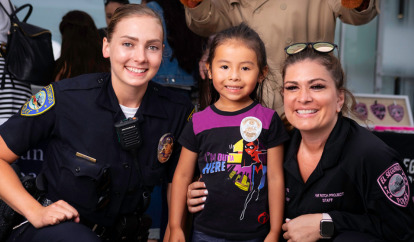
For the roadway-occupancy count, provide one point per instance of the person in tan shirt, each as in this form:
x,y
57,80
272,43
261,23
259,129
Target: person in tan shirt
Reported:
x,y
279,23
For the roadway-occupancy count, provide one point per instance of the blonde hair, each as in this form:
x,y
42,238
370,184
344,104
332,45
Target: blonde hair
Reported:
x,y
132,10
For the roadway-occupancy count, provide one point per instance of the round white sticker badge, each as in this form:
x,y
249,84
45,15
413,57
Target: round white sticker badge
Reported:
x,y
250,128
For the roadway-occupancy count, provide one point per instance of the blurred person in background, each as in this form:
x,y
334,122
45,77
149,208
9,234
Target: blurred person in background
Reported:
x,y
110,7
13,93
183,49
81,50
279,23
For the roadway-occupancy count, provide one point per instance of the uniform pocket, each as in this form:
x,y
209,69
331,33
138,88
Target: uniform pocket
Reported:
x,y
153,177
79,179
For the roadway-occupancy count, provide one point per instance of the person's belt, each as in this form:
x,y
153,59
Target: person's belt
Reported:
x,y
98,229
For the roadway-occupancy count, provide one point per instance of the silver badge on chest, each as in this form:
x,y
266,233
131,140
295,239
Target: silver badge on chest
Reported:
x,y
165,147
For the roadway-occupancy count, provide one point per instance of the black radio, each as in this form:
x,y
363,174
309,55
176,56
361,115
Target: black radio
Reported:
x,y
129,136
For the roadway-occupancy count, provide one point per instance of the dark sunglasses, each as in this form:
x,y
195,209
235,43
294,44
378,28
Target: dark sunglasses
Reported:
x,y
322,47
104,191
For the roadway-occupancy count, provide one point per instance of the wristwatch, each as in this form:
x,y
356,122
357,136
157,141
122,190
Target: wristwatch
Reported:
x,y
327,226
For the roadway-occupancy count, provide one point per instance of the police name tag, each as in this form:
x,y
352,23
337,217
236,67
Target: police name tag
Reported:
x,y
40,102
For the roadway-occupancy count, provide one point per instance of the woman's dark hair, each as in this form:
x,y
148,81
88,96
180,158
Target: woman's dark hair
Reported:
x,y
243,35
81,50
131,10
106,2
333,65
187,47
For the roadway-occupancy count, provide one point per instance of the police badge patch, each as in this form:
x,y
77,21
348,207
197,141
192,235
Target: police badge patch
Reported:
x,y
394,184
40,102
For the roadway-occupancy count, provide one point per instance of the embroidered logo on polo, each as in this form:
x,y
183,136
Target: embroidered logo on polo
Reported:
x,y
40,102
394,184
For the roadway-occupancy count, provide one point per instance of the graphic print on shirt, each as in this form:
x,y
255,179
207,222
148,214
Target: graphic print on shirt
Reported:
x,y
245,163
249,167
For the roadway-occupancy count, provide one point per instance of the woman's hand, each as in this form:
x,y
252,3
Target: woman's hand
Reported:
x,y
304,228
176,235
196,196
53,214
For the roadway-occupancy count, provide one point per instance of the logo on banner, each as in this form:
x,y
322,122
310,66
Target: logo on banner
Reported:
x,y
394,184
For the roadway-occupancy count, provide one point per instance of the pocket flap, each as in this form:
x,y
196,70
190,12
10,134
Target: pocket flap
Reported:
x,y
81,167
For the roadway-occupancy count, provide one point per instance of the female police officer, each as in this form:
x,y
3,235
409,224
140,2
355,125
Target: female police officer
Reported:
x,y
91,179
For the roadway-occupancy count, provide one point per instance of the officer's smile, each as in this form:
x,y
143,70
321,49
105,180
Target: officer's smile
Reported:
x,y
136,70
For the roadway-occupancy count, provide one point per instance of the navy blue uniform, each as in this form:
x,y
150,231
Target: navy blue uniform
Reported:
x,y
82,120
359,182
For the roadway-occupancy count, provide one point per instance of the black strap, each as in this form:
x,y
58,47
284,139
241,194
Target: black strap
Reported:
x,y
13,14
5,9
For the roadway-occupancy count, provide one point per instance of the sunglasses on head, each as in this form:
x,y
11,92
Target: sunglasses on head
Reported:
x,y
322,47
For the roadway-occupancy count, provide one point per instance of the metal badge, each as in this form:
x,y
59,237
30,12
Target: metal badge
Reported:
x,y
165,147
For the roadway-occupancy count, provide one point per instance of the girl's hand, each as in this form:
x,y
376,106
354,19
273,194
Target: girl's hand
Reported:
x,y
176,235
53,214
271,236
196,196
304,228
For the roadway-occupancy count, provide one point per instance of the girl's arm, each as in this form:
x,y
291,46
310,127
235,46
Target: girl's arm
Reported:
x,y
183,176
276,190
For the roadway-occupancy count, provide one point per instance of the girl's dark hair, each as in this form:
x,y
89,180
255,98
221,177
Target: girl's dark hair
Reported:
x,y
187,47
131,10
81,50
244,35
106,2
333,65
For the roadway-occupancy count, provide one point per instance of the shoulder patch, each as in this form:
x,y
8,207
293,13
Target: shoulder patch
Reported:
x,y
40,102
394,184
191,115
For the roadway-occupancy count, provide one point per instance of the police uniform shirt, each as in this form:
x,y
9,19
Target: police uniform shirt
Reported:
x,y
359,182
78,115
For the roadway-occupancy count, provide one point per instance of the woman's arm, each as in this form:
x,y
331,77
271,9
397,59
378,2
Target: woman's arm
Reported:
x,y
276,190
182,178
15,195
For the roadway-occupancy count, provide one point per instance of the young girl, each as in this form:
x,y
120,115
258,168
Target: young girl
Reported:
x,y
238,144
93,183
